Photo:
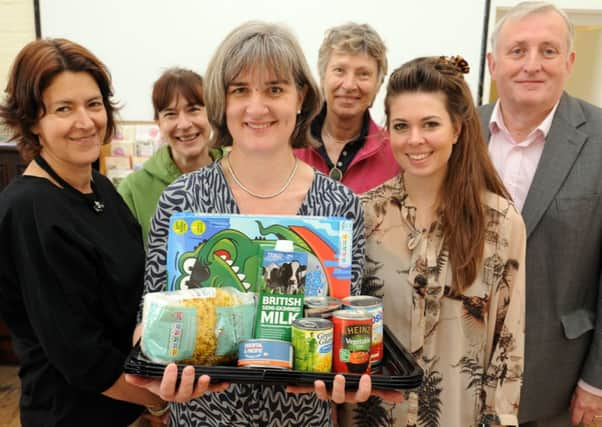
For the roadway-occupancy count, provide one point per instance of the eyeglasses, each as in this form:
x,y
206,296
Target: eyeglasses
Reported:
x,y
335,173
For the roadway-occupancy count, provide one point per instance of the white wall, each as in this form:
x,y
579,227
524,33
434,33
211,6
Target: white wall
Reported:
x,y
137,39
17,28
586,78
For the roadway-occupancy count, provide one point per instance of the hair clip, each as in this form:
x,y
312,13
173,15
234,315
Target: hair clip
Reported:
x,y
457,62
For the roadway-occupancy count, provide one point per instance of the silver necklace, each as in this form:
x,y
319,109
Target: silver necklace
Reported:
x,y
329,136
257,195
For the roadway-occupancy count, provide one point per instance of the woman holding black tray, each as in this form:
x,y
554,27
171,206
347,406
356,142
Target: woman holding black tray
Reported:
x,y
71,258
260,99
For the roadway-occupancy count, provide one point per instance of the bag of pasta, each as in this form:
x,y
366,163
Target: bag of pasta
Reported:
x,y
196,326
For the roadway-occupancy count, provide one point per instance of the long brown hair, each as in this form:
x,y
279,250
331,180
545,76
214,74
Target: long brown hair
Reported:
x,y
33,70
470,172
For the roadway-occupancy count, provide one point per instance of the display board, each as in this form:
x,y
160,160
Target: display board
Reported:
x,y
138,39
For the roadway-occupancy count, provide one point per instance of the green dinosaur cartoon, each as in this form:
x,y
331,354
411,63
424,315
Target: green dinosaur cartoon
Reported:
x,y
231,258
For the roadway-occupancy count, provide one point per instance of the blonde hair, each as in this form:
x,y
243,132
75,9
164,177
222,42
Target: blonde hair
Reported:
x,y
528,8
353,39
268,46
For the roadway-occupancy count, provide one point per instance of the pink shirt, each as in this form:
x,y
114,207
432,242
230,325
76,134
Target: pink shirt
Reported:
x,y
516,161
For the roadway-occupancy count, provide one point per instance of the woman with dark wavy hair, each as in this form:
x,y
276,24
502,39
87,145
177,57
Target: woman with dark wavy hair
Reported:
x,y
446,251
71,259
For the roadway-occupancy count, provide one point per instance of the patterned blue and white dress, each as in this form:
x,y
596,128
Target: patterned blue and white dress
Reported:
x,y
206,191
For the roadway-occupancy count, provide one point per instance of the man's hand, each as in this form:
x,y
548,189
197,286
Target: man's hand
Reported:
x,y
585,407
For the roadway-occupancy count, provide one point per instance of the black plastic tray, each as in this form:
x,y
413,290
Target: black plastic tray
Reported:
x,y
399,371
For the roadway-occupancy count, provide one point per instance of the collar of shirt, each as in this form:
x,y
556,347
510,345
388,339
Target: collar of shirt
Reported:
x,y
516,161
496,125
351,148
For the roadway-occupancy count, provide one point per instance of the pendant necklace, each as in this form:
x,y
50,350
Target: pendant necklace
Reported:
x,y
257,195
94,202
335,172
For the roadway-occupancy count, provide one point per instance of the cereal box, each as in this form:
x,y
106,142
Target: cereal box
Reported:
x,y
227,250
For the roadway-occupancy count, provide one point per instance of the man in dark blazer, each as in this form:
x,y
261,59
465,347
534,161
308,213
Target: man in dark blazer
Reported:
x,y
547,148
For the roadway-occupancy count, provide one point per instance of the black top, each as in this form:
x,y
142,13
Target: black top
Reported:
x,y
70,282
351,148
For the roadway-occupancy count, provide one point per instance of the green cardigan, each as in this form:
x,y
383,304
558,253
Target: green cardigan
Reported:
x,y
141,189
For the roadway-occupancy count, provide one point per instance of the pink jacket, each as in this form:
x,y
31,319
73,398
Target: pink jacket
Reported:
x,y
372,165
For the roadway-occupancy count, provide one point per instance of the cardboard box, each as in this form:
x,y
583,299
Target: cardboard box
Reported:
x,y
280,299
227,250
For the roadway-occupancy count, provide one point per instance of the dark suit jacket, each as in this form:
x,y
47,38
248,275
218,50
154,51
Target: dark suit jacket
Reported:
x,y
563,216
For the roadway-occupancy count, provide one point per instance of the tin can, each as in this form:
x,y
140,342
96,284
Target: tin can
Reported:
x,y
374,306
321,306
352,338
264,353
312,344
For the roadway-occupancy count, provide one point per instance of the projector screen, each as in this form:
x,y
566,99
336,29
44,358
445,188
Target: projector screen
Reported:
x,y
138,39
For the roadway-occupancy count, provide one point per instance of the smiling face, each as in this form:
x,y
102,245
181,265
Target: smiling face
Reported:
x,y
183,124
350,84
422,133
75,123
261,110
532,63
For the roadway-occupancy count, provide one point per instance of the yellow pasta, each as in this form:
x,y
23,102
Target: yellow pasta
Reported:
x,y
206,341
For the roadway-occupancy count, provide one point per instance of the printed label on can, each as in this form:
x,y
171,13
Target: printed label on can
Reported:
x,y
262,353
312,345
352,338
374,306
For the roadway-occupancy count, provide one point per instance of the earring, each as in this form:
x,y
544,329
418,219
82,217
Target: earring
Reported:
x,y
298,111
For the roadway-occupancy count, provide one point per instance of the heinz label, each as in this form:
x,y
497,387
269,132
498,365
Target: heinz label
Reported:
x,y
352,339
374,307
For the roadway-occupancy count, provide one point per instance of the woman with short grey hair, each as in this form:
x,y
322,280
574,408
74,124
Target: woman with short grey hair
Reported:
x,y
352,149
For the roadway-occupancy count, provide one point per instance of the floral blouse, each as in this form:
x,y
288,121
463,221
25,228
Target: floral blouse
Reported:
x,y
470,345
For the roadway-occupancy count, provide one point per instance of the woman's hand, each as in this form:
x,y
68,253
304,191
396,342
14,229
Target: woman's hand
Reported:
x,y
339,395
167,389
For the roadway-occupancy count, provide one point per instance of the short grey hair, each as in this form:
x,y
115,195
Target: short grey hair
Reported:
x,y
353,39
269,47
528,8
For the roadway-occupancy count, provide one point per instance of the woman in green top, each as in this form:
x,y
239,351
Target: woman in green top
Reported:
x,y
182,119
